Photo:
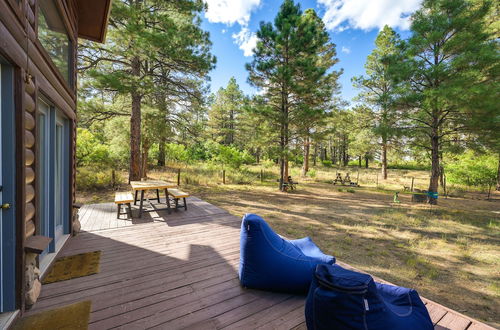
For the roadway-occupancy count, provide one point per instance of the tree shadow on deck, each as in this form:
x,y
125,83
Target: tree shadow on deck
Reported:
x,y
171,278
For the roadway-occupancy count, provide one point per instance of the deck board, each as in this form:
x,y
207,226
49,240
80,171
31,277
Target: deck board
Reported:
x,y
179,270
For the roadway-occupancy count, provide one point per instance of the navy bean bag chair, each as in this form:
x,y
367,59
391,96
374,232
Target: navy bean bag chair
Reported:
x,y
269,262
344,299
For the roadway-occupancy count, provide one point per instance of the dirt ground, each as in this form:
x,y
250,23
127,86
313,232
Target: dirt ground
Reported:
x,y
449,253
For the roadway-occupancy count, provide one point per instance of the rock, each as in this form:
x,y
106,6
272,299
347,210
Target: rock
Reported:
x,y
30,258
76,227
33,294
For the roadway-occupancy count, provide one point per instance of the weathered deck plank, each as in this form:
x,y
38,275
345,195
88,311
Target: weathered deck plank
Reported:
x,y
178,270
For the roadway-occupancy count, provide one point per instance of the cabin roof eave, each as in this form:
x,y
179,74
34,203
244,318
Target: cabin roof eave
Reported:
x,y
93,16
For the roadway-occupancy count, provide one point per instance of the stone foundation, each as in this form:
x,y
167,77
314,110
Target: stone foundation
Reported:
x,y
76,222
33,285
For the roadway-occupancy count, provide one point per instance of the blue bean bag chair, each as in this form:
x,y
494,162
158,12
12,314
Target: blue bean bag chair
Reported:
x,y
344,299
269,262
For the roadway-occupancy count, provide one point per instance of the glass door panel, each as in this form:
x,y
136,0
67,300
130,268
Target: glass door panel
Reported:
x,y
43,176
59,179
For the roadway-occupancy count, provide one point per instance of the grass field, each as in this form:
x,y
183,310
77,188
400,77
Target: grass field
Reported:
x,y
450,253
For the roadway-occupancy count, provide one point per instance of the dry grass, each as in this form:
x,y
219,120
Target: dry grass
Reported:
x,y
450,253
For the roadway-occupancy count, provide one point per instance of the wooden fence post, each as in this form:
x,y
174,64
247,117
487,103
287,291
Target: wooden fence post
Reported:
x,y
412,179
178,176
224,176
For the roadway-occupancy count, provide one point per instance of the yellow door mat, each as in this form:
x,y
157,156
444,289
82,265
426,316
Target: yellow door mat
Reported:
x,y
74,317
79,265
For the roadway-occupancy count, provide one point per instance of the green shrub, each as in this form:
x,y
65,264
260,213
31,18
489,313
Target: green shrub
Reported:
x,y
227,155
327,163
176,152
90,151
312,173
91,178
473,170
197,152
409,166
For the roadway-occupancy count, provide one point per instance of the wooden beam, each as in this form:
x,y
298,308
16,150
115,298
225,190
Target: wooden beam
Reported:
x,y
37,244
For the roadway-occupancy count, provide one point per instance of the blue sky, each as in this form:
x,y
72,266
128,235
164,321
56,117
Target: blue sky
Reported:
x,y
353,26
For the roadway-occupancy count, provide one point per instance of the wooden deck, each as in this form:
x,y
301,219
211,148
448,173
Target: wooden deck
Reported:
x,y
179,270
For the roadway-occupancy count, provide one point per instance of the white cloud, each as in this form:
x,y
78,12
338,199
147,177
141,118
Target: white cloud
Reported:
x,y
223,31
346,50
245,40
230,11
368,14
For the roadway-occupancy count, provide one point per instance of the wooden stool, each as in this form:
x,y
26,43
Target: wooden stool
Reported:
x,y
124,198
177,194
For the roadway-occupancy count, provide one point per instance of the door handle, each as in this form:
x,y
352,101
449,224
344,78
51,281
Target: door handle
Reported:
x,y
5,206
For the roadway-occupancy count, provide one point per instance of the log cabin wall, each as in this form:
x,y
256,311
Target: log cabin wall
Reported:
x,y
36,76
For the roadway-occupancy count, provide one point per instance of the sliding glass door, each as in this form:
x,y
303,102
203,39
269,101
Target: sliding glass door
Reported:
x,y
53,169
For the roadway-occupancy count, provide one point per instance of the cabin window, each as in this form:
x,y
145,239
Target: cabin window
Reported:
x,y
53,36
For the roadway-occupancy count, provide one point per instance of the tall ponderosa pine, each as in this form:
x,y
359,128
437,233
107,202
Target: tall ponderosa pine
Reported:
x,y
224,113
287,64
148,39
378,91
446,69
316,83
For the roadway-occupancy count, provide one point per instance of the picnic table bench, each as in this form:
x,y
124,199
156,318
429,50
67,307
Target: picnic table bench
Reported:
x,y
346,181
124,198
289,184
178,194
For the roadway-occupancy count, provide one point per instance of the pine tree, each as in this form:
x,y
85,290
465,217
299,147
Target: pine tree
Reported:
x,y
287,62
446,70
378,91
316,83
224,113
147,40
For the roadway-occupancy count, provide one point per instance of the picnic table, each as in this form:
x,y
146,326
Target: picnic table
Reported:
x,y
143,186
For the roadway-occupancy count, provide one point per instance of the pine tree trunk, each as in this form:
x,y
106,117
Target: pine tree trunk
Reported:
x,y
435,169
305,164
282,157
366,160
144,159
498,173
135,127
359,161
231,127
287,141
161,152
321,154
384,159
315,153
